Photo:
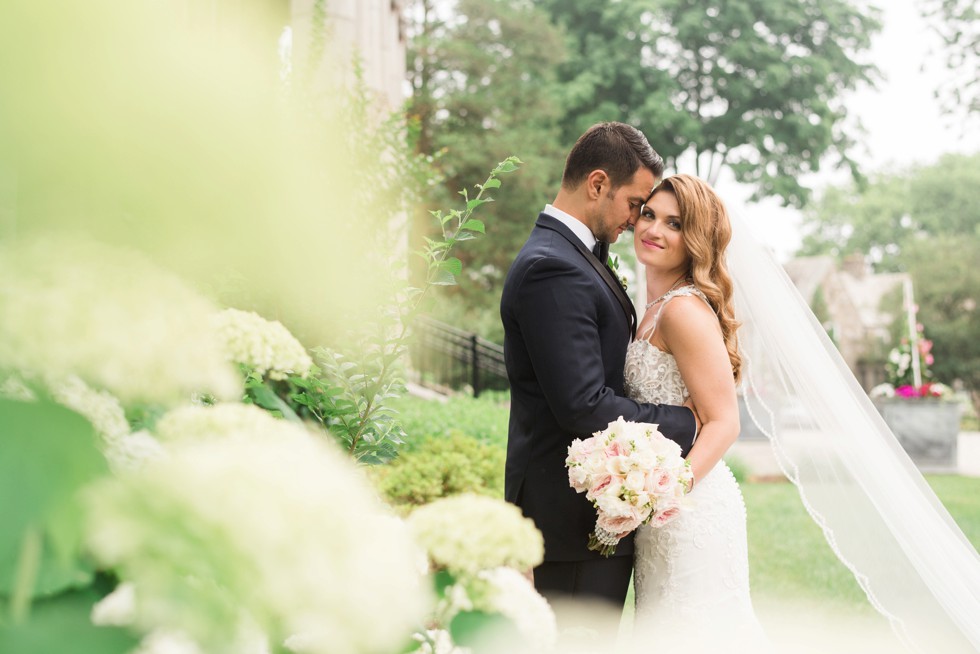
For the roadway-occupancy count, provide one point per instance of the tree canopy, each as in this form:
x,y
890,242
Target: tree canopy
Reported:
x,y
755,85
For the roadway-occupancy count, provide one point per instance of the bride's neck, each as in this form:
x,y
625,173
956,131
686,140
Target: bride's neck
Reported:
x,y
658,284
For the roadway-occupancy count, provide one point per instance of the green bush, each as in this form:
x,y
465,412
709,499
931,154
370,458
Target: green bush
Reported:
x,y
483,418
442,466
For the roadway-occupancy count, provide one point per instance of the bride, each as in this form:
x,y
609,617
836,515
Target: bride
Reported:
x,y
705,330
691,576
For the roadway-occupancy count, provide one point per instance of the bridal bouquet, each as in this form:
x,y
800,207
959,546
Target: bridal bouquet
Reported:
x,y
632,474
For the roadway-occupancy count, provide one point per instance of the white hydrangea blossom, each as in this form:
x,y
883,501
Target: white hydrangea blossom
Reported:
x,y
168,642
264,345
438,641
223,420
468,533
512,595
134,451
100,408
281,527
109,317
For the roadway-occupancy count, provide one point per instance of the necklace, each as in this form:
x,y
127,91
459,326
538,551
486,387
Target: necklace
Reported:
x,y
669,290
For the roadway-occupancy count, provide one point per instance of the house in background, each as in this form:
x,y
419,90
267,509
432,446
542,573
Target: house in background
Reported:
x,y
855,306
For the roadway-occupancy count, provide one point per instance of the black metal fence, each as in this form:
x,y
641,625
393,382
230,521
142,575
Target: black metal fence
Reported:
x,y
447,357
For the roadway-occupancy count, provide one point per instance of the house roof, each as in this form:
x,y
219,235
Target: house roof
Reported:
x,y
808,273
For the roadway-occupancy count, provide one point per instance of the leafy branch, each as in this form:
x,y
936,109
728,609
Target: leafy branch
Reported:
x,y
348,396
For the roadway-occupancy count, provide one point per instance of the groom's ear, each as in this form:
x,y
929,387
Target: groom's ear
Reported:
x,y
595,183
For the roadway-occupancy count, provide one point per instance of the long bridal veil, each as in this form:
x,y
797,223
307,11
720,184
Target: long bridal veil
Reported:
x,y
877,512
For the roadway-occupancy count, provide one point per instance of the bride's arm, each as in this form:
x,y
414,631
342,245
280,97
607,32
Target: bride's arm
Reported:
x,y
691,333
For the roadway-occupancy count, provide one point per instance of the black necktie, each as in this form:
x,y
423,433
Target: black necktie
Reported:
x,y
601,251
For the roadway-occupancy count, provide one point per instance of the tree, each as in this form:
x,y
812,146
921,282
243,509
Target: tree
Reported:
x,y
896,210
485,88
755,85
957,22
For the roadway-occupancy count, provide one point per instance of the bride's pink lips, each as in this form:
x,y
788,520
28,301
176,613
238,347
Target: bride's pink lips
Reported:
x,y
651,244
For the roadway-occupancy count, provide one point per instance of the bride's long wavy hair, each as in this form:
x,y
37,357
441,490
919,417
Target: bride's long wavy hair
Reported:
x,y
707,231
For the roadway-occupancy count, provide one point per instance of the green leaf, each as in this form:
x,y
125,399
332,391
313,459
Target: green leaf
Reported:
x,y
267,398
63,624
442,277
475,225
493,182
47,454
441,581
453,265
476,202
508,165
478,629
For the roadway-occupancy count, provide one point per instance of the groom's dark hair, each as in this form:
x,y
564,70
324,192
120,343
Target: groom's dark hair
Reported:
x,y
617,148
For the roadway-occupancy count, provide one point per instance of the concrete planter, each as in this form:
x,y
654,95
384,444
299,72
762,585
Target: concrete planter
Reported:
x,y
927,428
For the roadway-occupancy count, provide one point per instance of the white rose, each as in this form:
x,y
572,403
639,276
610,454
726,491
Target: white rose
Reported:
x,y
635,480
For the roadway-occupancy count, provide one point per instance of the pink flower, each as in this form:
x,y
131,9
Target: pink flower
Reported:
x,y
925,346
602,483
906,391
660,518
929,359
620,525
615,449
660,481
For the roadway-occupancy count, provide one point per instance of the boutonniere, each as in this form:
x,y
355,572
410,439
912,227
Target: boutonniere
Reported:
x,y
613,263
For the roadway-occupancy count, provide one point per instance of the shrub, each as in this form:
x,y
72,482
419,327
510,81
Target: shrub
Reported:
x,y
439,467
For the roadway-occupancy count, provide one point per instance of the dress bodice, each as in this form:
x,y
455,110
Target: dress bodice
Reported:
x,y
651,375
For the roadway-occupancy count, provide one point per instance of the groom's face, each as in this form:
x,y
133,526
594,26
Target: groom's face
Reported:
x,y
619,207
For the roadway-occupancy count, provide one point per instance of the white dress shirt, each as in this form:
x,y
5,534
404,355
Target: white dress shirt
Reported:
x,y
577,226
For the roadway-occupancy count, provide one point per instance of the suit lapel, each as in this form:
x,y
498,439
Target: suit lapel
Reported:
x,y
548,222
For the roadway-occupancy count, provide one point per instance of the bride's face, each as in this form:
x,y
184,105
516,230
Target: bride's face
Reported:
x,y
659,234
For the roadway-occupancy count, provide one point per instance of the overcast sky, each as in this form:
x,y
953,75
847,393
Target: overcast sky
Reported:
x,y
903,122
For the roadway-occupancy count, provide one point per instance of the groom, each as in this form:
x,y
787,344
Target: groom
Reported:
x,y
567,322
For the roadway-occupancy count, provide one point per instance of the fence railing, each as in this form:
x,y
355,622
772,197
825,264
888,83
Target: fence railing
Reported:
x,y
448,357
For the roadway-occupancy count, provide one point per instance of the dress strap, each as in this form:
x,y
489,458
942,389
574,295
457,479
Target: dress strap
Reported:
x,y
690,289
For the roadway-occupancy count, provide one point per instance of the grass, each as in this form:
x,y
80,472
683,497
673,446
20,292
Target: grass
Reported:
x,y
483,418
788,556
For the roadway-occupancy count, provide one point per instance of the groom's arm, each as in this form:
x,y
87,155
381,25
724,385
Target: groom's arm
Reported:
x,y
556,309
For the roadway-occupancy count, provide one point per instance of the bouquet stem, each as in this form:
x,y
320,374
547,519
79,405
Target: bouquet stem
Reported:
x,y
603,542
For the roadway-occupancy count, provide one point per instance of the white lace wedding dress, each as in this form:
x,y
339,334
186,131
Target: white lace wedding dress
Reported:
x,y
691,576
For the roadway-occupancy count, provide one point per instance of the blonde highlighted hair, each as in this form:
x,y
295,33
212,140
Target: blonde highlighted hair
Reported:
x,y
707,231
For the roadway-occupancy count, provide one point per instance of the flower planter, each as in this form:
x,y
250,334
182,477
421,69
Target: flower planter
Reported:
x,y
927,428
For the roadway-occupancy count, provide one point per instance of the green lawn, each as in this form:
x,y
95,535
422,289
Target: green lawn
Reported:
x,y
789,558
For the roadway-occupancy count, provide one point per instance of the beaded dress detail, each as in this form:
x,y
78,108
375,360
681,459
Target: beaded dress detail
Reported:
x,y
691,576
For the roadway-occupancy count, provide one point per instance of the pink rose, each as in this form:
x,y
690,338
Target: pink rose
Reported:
x,y
660,518
602,483
615,449
660,481
620,525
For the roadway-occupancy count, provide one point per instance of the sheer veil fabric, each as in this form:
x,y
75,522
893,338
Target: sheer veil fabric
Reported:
x,y
877,512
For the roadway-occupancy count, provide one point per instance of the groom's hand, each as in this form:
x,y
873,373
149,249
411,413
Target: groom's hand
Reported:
x,y
697,419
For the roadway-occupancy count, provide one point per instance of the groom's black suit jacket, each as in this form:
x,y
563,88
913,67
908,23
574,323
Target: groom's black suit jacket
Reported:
x,y
565,338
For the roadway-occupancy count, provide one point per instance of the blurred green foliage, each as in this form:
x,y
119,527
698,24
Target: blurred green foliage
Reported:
x,y
483,418
441,466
